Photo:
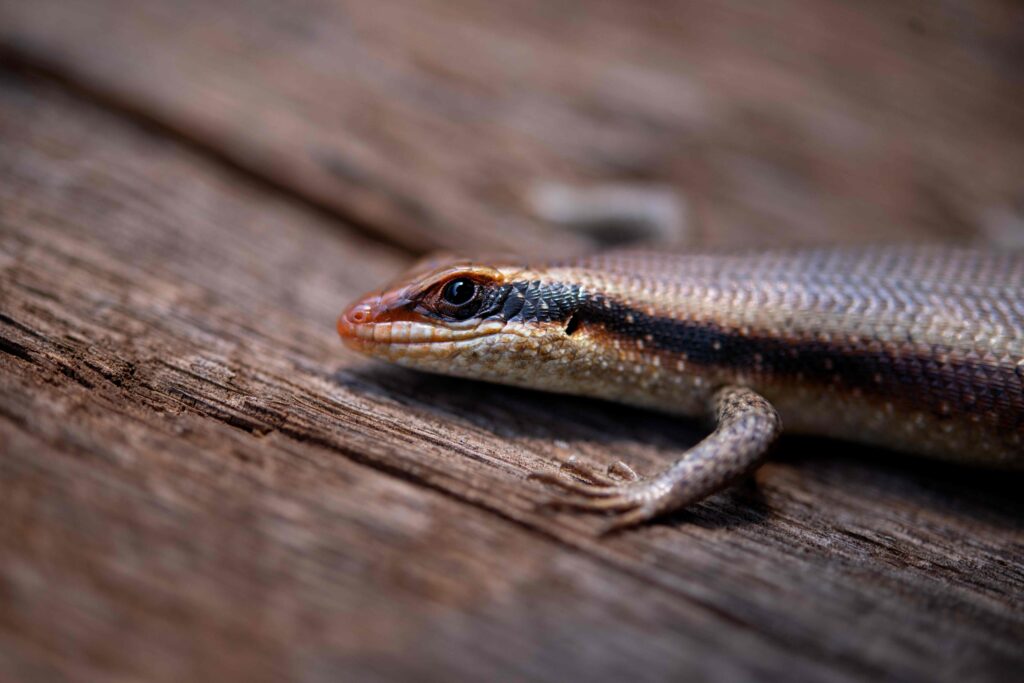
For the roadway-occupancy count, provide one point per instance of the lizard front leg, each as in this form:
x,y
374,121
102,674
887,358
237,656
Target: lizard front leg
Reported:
x,y
747,424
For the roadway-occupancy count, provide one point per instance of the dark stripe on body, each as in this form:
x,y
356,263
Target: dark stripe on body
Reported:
x,y
956,386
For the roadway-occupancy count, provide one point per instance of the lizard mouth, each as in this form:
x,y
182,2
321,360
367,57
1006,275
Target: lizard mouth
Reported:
x,y
385,320
407,332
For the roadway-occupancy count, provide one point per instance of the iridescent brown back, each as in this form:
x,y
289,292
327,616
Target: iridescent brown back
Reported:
x,y
920,348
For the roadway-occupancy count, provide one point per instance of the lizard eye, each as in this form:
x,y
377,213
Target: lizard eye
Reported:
x,y
459,299
459,292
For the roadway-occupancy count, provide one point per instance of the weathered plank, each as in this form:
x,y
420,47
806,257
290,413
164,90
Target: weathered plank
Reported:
x,y
183,454
198,482
430,121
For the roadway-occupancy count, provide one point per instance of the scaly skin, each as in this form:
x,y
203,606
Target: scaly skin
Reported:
x,y
918,349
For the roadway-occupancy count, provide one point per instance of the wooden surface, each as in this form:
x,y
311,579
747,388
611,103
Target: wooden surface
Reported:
x,y
430,121
197,482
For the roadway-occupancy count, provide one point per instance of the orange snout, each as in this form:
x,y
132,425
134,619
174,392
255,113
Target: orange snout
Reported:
x,y
380,307
360,313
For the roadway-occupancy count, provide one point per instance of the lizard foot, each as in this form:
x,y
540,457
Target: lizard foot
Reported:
x,y
617,490
747,425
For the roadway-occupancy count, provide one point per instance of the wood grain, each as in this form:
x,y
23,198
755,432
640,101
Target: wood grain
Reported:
x,y
429,122
199,483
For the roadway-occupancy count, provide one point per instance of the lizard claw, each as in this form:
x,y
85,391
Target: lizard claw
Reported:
x,y
576,476
622,471
563,481
614,503
615,474
630,505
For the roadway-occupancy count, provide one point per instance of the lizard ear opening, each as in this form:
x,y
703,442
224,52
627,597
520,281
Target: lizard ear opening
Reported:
x,y
573,325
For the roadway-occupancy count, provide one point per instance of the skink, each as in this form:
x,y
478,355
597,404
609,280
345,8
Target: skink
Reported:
x,y
918,349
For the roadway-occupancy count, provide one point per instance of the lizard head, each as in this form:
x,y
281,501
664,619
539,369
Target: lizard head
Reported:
x,y
493,321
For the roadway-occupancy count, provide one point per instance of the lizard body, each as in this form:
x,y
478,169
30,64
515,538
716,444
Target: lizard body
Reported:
x,y
919,349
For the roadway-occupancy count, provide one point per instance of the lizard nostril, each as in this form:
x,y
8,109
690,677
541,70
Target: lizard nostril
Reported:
x,y
358,314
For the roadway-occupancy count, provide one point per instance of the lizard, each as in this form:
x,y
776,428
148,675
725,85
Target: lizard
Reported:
x,y
913,348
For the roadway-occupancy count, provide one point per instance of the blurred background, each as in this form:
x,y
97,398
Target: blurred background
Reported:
x,y
431,124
